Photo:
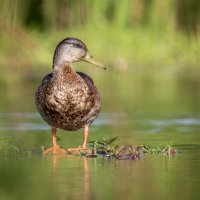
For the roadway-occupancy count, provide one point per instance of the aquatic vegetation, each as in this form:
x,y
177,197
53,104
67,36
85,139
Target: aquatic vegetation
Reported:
x,y
7,148
105,147
10,149
169,149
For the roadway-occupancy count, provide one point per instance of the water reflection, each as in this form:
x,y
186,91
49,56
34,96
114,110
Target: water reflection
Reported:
x,y
152,177
67,182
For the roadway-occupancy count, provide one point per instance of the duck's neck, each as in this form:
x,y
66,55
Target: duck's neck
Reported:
x,y
63,68
61,65
62,55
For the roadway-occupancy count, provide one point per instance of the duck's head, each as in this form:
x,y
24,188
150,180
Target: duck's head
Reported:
x,y
73,50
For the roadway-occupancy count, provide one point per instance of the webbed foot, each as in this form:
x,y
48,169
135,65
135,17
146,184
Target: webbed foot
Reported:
x,y
55,150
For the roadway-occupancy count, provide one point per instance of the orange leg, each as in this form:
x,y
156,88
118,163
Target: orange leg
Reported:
x,y
85,135
83,147
55,149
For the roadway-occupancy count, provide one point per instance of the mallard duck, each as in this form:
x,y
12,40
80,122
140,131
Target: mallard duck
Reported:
x,y
67,99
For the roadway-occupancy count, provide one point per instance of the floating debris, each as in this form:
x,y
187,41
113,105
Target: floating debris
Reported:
x,y
127,152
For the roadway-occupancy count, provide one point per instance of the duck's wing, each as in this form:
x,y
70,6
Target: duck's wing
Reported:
x,y
43,89
88,80
47,77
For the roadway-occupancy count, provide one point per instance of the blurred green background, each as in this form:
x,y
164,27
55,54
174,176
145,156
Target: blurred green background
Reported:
x,y
150,92
150,47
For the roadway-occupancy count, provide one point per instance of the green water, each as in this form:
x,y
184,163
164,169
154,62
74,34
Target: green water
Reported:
x,y
140,108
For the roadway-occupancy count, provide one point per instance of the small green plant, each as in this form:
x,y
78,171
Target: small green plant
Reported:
x,y
169,149
104,146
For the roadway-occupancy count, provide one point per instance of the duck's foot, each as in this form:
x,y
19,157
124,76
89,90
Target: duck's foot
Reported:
x,y
55,150
83,150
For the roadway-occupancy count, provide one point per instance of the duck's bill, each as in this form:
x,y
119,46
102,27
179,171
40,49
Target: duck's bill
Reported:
x,y
88,58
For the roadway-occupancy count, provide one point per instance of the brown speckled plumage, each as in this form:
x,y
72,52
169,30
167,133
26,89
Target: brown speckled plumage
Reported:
x,y
67,99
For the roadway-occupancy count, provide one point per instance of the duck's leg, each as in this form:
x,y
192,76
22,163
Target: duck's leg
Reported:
x,y
55,149
83,147
85,135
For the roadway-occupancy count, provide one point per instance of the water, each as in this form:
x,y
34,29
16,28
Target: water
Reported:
x,y
154,176
150,108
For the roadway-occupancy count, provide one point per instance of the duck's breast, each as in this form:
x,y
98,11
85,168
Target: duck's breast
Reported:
x,y
68,104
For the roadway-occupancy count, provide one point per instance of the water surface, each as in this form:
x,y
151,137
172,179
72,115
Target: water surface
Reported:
x,y
154,176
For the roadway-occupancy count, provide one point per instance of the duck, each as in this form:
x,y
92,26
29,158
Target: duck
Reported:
x,y
67,99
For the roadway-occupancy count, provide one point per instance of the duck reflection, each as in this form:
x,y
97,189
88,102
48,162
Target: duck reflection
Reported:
x,y
71,176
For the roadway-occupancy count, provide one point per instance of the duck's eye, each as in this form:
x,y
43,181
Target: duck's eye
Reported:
x,y
77,46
